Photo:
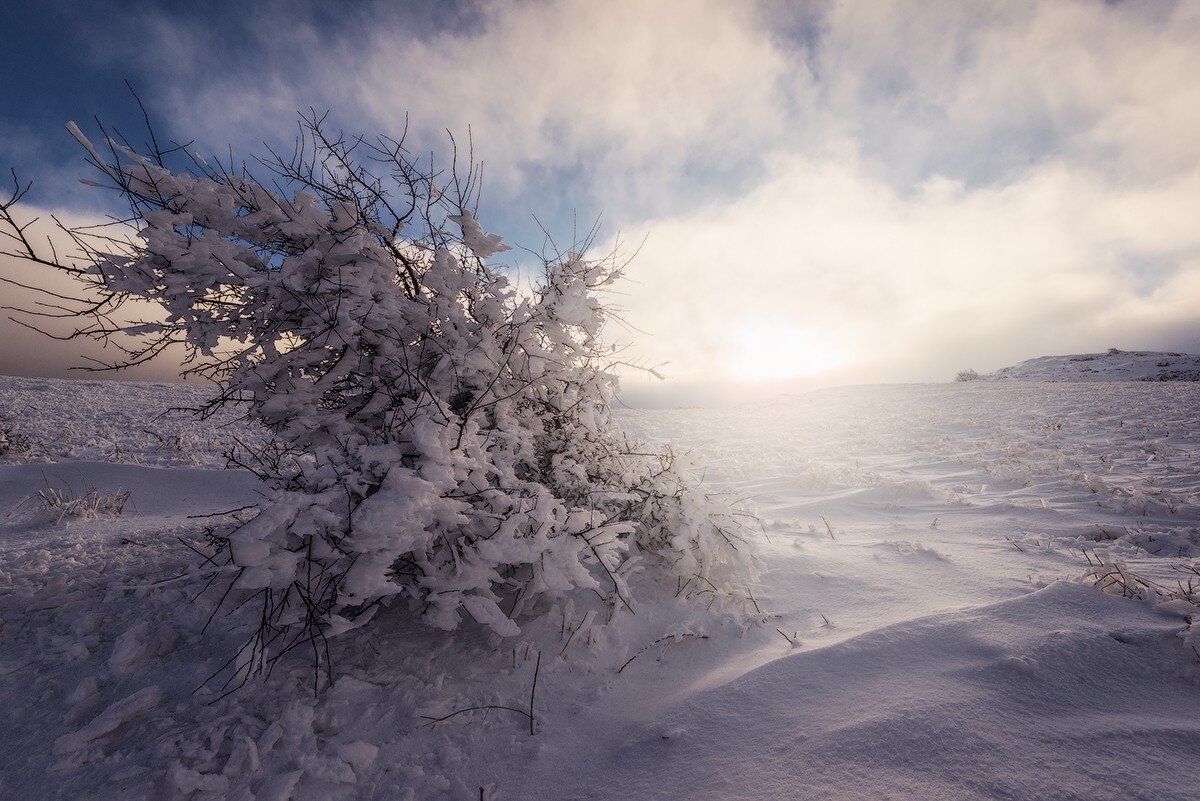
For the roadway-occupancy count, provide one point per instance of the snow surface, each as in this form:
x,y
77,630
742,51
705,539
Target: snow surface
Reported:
x,y
922,552
1114,365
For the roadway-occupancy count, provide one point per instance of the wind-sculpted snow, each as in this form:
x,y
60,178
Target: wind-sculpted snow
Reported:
x,y
928,627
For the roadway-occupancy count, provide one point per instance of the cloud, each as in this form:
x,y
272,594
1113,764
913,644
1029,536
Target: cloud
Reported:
x,y
903,189
636,104
998,181
558,81
981,89
628,92
891,284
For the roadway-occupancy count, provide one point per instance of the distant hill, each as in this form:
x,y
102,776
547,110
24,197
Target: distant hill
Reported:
x,y
1115,365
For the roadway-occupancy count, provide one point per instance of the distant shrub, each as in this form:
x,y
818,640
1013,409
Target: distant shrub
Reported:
x,y
53,504
11,443
966,375
1114,351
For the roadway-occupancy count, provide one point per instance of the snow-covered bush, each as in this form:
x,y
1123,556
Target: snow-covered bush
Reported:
x,y
966,375
442,440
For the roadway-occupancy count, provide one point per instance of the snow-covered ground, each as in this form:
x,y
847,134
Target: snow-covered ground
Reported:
x,y
926,629
1113,365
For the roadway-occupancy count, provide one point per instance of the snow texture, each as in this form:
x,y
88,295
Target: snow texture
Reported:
x,y
924,554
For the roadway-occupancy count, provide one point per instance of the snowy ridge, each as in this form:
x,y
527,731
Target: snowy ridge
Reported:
x,y
923,552
1113,365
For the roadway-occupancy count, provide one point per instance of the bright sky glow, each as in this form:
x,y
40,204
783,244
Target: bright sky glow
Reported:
x,y
773,350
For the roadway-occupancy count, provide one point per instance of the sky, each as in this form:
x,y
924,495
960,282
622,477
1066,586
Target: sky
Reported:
x,y
816,192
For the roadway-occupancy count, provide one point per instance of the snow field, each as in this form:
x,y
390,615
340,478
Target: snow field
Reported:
x,y
917,638
113,421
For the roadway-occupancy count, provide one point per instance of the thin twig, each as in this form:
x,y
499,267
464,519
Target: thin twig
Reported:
x,y
671,637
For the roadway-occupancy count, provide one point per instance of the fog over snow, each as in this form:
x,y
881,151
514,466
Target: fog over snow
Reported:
x,y
816,192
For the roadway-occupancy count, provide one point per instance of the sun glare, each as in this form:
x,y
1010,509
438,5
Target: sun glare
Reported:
x,y
766,352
